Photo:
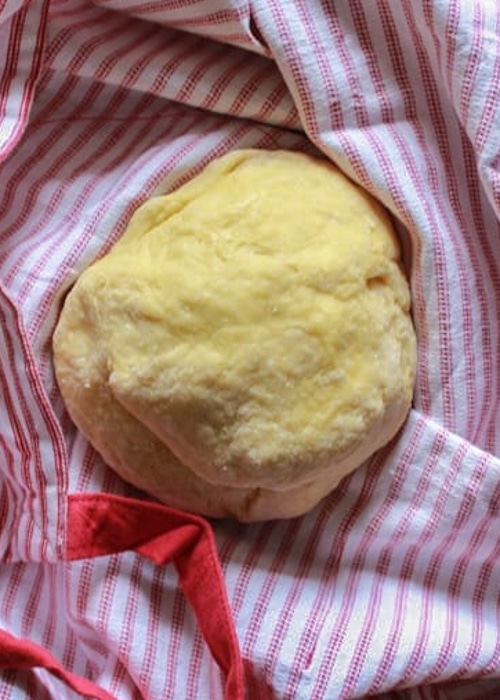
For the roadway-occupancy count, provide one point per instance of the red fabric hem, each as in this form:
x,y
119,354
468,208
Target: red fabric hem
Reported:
x,y
99,525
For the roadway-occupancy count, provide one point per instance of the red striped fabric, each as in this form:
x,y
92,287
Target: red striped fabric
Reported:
x,y
390,587
21,63
32,452
228,21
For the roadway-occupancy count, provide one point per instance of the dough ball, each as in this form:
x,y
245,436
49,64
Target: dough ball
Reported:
x,y
247,343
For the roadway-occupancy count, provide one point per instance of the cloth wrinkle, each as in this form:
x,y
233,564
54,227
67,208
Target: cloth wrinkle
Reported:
x,y
390,587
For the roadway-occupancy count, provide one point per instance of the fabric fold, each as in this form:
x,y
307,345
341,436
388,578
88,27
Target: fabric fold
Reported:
x,y
390,587
101,524
22,42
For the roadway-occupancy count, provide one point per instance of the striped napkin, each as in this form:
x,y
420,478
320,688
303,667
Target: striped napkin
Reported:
x,y
390,588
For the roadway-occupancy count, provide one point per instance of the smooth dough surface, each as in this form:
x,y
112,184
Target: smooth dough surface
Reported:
x,y
247,342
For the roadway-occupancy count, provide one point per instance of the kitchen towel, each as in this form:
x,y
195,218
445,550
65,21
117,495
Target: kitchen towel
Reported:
x,y
390,588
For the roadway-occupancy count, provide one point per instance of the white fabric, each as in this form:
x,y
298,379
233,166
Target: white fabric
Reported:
x,y
391,586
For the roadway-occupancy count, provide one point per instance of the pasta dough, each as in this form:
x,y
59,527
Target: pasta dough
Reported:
x,y
247,343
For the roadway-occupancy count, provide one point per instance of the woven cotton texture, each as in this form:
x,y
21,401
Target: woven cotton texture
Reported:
x,y
390,587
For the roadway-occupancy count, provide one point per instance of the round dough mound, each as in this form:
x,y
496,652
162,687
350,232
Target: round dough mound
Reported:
x,y
247,343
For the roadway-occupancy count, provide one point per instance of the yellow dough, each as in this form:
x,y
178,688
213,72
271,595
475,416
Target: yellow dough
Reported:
x,y
247,342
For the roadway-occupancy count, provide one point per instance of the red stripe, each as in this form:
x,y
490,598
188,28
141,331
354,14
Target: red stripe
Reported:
x,y
174,654
410,567
70,153
154,649
477,254
51,430
269,588
164,59
21,653
440,257
24,449
482,258
98,156
375,542
14,67
363,549
197,73
436,565
36,67
104,524
468,569
489,106
8,601
195,687
30,420
260,539
248,90
442,250
69,35
44,148
10,70
77,206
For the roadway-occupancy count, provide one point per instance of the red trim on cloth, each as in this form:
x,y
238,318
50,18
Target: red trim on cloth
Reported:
x,y
103,524
99,525
18,653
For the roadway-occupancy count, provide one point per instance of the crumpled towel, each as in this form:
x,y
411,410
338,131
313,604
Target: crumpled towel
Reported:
x,y
390,587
